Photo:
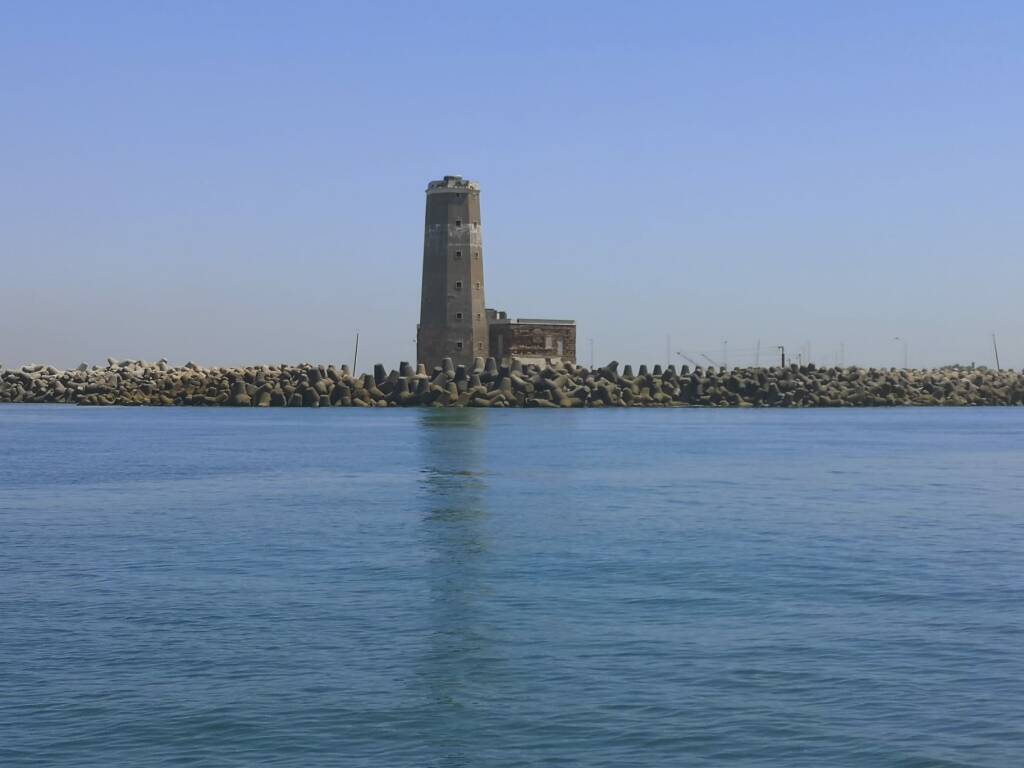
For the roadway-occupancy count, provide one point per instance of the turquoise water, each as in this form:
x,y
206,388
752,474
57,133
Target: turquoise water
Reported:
x,y
492,588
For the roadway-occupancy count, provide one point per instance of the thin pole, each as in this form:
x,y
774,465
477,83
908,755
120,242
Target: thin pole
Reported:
x,y
905,355
355,357
591,352
668,350
996,348
782,349
725,354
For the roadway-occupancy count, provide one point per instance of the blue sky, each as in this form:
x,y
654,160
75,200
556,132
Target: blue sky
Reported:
x,y
243,182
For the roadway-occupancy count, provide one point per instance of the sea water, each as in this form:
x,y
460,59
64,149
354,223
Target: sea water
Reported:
x,y
511,588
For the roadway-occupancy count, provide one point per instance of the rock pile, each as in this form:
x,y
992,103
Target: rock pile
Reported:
x,y
488,385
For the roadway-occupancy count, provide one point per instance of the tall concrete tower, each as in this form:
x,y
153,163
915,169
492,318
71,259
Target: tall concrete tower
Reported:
x,y
453,322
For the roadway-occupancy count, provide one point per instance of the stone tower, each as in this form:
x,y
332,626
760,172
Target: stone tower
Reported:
x,y
453,322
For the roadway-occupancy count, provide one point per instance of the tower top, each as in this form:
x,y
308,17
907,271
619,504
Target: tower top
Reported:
x,y
452,184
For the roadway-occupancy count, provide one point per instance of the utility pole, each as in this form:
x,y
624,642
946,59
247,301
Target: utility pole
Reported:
x,y
905,356
995,347
782,349
668,349
355,357
725,354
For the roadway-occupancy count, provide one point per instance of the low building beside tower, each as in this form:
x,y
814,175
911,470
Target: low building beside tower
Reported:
x,y
530,340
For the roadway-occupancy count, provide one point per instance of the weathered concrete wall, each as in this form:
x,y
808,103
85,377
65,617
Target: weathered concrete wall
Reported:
x,y
533,342
487,384
452,321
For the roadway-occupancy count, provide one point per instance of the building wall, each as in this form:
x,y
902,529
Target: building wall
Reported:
x,y
452,319
533,342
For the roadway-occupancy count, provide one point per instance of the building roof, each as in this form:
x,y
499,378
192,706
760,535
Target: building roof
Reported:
x,y
452,184
530,321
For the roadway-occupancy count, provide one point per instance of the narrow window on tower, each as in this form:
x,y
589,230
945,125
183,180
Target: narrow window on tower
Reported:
x,y
458,222
480,345
476,256
458,345
458,315
458,285
458,255
477,315
477,286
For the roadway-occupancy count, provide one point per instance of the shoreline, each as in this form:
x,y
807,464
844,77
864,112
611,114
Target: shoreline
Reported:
x,y
485,384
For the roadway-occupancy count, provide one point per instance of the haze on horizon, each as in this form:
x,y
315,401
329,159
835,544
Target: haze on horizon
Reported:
x,y
244,183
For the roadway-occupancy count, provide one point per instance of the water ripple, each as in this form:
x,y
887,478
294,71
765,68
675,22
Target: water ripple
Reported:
x,y
478,588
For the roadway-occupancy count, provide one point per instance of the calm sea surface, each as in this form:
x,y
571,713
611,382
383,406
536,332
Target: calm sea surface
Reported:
x,y
511,588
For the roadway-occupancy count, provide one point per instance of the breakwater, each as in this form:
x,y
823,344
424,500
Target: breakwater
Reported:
x,y
486,384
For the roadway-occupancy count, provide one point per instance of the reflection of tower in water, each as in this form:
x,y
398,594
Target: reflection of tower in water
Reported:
x,y
457,659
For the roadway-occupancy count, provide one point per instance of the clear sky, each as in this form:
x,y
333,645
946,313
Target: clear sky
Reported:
x,y
241,182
